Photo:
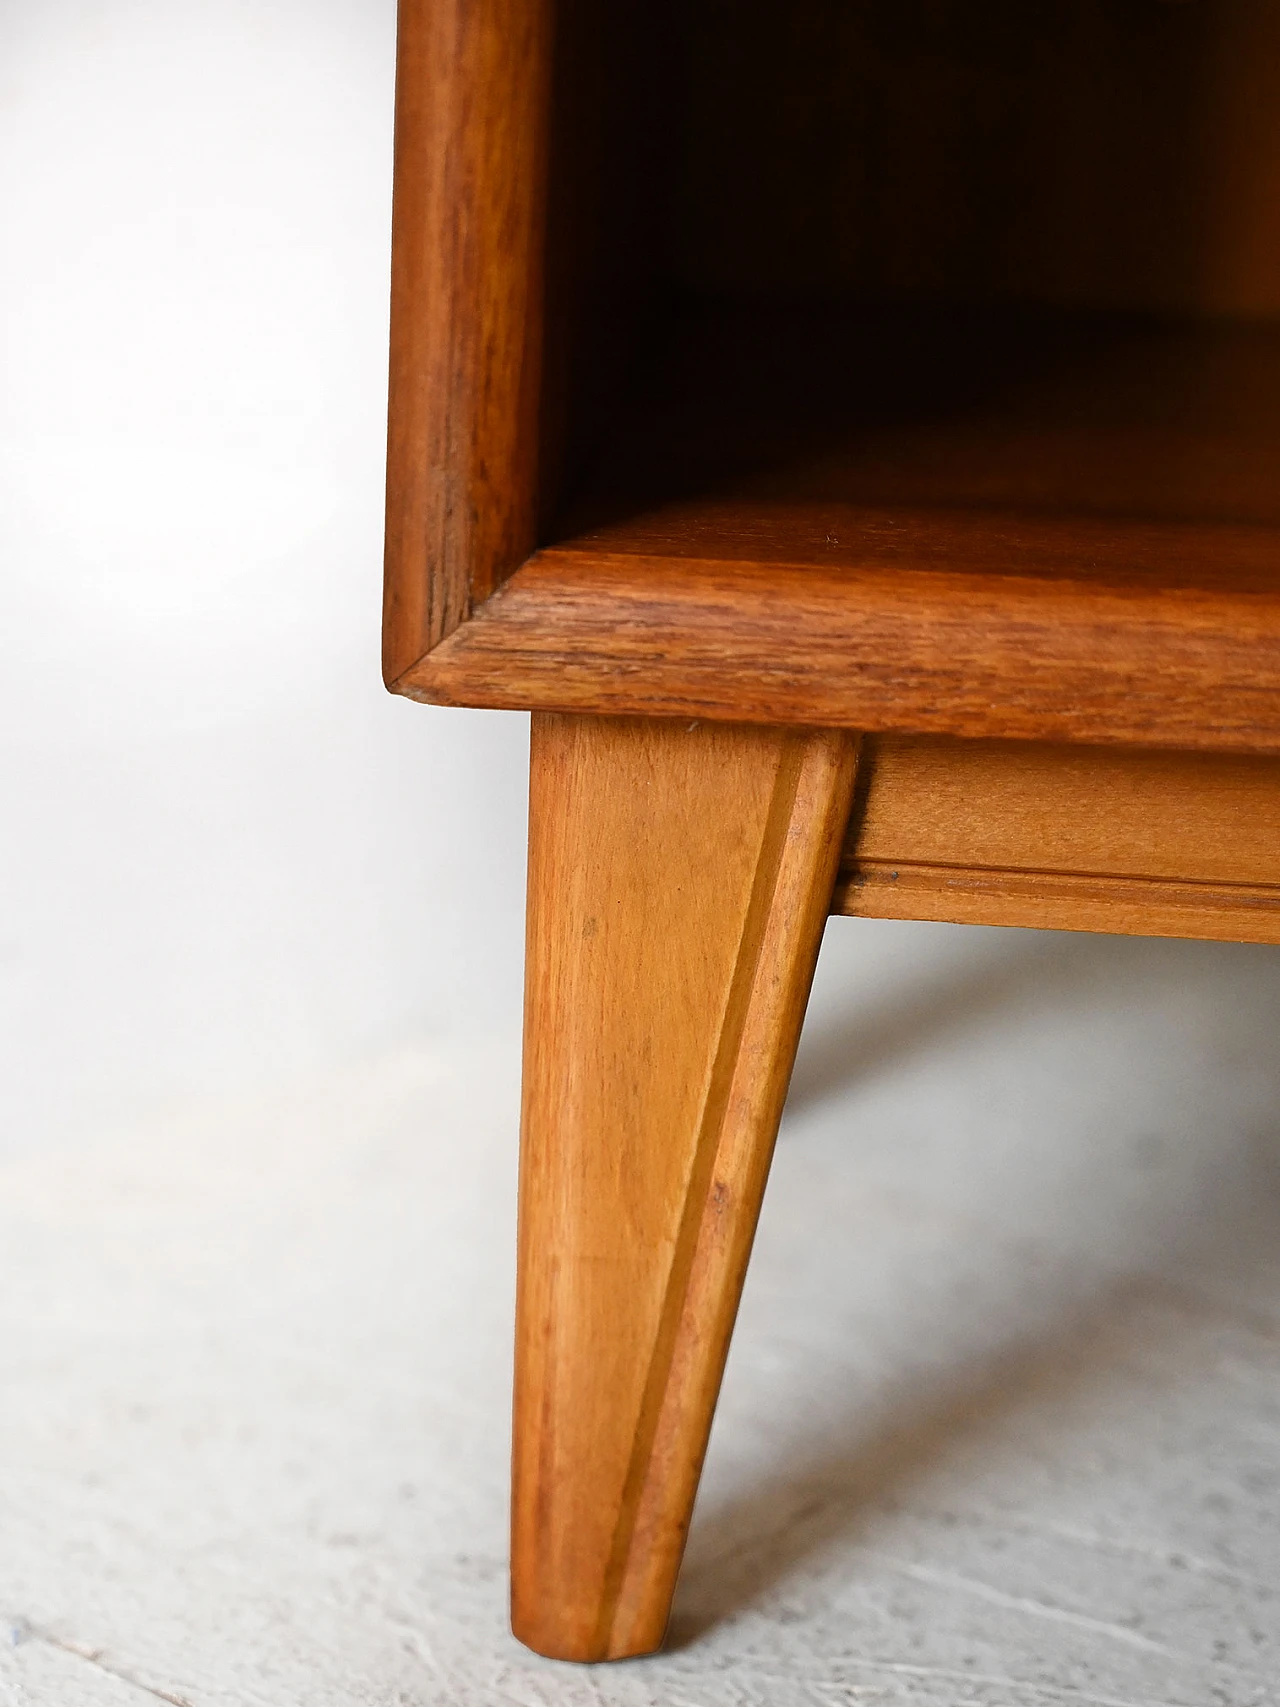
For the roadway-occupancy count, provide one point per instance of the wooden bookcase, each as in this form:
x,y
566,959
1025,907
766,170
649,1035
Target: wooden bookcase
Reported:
x,y
853,429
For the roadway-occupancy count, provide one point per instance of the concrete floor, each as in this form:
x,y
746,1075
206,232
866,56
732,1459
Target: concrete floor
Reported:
x,y
1001,1424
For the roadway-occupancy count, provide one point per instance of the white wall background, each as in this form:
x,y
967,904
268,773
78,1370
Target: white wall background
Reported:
x,y
227,855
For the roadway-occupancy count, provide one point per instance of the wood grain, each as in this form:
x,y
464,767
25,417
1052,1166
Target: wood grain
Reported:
x,y
472,83
968,624
977,525
873,520
922,523
679,878
1050,900
1069,838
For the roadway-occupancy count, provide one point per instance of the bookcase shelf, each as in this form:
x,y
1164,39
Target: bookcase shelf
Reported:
x,y
959,524
843,368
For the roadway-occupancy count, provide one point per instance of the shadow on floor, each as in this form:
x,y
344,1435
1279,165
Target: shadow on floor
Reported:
x,y
837,1471
848,1046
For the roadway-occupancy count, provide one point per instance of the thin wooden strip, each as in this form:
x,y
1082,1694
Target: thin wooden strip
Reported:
x,y
1095,811
1060,901
1078,838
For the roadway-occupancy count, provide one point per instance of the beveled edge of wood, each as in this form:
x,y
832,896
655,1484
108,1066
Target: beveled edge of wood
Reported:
x,y
879,646
1049,900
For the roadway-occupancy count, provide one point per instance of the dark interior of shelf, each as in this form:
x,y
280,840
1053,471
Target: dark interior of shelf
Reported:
x,y
919,255
909,409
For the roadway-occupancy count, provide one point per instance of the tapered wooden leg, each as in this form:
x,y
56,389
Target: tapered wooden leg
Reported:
x,y
679,879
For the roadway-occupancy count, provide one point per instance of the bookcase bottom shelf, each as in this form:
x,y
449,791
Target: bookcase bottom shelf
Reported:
x,y
1042,530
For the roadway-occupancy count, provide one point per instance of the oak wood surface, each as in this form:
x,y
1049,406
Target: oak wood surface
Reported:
x,y
472,83
1077,838
679,879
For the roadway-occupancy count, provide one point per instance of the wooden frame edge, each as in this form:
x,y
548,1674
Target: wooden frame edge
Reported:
x,y
876,649
468,237
1049,900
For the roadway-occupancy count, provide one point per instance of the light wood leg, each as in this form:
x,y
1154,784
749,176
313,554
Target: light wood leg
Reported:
x,y
679,879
